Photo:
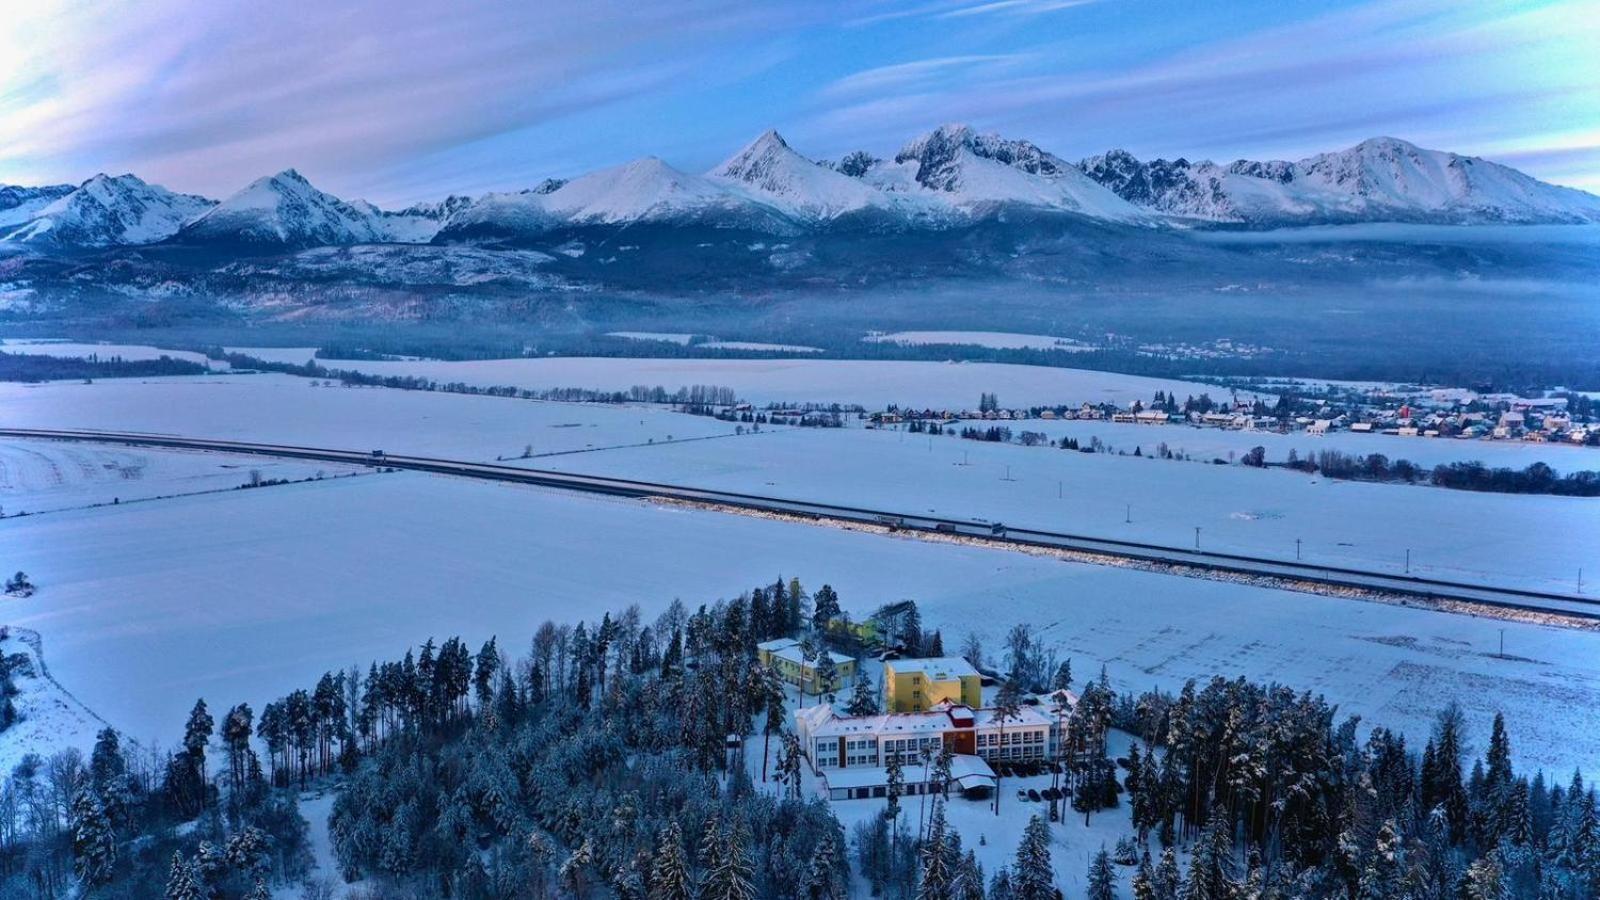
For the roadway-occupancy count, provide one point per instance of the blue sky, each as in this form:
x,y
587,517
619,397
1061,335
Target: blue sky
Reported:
x,y
411,99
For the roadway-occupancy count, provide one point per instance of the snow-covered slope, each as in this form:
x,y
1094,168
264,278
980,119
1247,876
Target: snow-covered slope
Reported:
x,y
417,224
284,210
770,171
109,211
978,173
649,191
19,204
502,215
1383,179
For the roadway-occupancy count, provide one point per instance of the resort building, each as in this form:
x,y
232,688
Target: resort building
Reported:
x,y
917,685
784,655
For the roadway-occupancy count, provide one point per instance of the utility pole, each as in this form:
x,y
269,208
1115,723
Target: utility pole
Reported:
x,y
1127,515
1296,549
1408,560
1197,537
1502,643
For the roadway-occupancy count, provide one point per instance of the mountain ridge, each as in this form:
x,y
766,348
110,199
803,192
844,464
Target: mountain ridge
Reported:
x,y
949,177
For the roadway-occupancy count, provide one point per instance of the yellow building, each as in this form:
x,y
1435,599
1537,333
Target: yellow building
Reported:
x,y
783,655
915,685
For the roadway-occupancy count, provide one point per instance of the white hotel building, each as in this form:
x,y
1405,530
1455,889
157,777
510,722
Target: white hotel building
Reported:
x,y
850,753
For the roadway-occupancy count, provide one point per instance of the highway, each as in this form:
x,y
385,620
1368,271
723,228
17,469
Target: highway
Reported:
x,y
1283,573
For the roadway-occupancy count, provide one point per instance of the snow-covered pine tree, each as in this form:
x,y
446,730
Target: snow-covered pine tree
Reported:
x,y
1382,877
669,868
1033,878
1102,884
94,844
936,877
863,700
183,883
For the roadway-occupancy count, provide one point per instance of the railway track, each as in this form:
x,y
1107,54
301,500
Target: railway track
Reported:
x,y
1291,573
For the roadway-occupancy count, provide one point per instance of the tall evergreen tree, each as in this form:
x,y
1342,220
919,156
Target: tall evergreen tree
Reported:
x,y
1033,877
94,844
936,876
1102,883
669,868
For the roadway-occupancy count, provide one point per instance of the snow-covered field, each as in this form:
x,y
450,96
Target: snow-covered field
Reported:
x,y
286,409
999,340
758,345
50,717
40,476
130,352
1508,539
244,595
871,383
1217,443
671,337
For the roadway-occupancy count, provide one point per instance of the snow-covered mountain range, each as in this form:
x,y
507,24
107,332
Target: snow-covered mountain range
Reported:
x,y
947,178
1383,179
108,211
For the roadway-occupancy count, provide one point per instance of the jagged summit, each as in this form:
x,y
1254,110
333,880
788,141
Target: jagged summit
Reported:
x,y
1379,179
108,211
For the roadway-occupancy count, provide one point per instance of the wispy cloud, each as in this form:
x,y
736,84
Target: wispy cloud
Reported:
x,y
400,100
1423,69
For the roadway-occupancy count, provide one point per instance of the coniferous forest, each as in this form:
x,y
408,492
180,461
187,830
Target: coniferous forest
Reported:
x,y
625,758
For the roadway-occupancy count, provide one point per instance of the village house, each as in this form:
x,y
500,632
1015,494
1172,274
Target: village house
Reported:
x,y
915,685
786,657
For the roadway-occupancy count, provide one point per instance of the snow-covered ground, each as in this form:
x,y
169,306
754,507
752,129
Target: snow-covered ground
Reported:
x,y
999,340
1508,539
871,383
757,345
130,352
286,409
671,337
1217,443
51,718
40,476
242,596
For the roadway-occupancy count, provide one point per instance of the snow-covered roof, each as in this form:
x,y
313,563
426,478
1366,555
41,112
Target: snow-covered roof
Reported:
x,y
789,649
936,668
821,722
966,771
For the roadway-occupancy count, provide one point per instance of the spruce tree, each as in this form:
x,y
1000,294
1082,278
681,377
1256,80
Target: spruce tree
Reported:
x,y
1167,879
936,874
1144,887
1102,878
94,845
1381,880
728,877
1033,877
823,881
669,869
968,884
182,882
863,700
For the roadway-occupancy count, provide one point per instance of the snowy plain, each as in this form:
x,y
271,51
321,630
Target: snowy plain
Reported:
x,y
286,409
242,596
1516,540
870,383
41,476
999,340
75,349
